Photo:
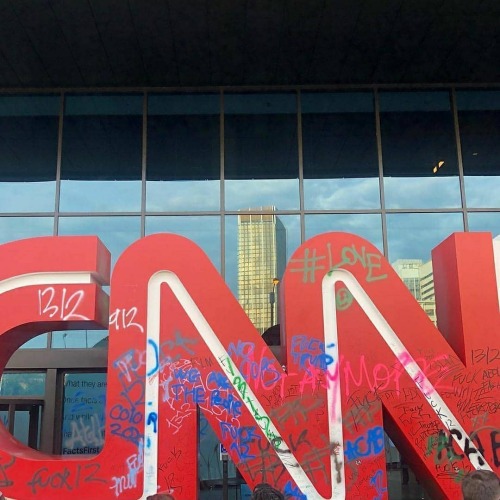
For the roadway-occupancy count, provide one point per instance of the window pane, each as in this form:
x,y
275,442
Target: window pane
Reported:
x,y
340,151
204,231
102,154
183,170
257,249
368,226
413,236
17,228
28,153
485,221
117,233
83,413
479,120
38,342
22,384
26,417
261,152
419,150
23,416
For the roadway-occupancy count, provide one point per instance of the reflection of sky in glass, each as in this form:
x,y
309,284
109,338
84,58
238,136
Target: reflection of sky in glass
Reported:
x,y
117,233
38,342
102,168
202,230
27,196
482,191
485,221
282,193
413,236
100,196
179,196
368,226
17,228
341,194
292,227
422,192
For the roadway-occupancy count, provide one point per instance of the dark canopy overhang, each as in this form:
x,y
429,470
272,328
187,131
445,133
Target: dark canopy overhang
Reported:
x,y
194,43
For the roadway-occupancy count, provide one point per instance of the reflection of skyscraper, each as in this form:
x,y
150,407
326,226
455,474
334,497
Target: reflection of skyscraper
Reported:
x,y
419,279
427,295
261,257
407,270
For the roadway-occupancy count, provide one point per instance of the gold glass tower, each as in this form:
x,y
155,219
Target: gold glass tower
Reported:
x,y
261,263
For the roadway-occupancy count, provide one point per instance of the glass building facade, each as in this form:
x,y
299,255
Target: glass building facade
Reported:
x,y
401,168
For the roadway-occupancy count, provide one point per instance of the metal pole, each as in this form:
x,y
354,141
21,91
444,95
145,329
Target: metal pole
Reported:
x,y
271,301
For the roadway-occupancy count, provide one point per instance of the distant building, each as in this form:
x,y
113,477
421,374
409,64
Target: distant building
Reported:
x,y
261,258
408,271
419,279
427,294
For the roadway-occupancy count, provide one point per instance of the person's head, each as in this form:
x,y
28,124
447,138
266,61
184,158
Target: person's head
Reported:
x,y
265,491
481,485
160,496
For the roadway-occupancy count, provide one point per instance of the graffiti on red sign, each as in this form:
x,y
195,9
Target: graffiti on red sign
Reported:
x,y
179,342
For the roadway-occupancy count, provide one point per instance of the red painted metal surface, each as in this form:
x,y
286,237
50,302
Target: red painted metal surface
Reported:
x,y
360,355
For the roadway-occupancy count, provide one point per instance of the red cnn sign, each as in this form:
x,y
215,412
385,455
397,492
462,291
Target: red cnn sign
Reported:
x,y
360,356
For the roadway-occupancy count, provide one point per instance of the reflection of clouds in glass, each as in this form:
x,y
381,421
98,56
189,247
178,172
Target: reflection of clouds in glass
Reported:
x,y
324,194
202,230
181,196
117,233
27,196
282,193
100,196
485,221
422,192
413,236
17,228
368,226
482,191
